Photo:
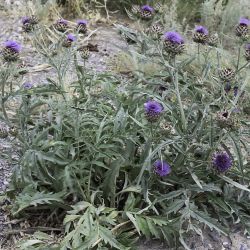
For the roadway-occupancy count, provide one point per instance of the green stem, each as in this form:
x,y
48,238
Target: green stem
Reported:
x,y
244,66
4,80
89,183
177,91
199,59
238,60
144,167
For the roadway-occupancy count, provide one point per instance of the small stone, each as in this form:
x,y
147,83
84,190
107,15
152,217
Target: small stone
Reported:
x,y
210,247
226,245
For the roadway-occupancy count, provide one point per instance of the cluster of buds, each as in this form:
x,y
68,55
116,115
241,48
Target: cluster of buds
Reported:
x,y
29,23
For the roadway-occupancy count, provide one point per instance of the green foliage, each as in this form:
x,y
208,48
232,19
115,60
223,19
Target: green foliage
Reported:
x,y
89,153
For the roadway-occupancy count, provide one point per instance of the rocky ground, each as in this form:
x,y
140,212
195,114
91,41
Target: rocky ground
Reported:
x,y
109,43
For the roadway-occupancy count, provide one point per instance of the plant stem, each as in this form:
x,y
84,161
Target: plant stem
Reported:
x,y
238,60
199,59
244,66
177,91
4,79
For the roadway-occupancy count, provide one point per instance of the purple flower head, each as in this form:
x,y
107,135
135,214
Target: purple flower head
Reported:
x,y
25,20
71,37
244,21
27,85
201,29
147,8
247,46
153,107
62,21
173,37
12,45
82,22
222,162
161,168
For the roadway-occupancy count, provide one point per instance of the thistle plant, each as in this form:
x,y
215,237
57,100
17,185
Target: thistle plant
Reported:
x,y
146,12
153,110
29,23
161,168
61,25
242,28
82,26
150,156
11,51
222,162
69,40
200,34
174,43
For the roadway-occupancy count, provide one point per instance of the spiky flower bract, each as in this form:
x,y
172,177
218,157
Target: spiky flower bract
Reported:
x,y
173,43
241,30
222,161
200,34
161,168
61,25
